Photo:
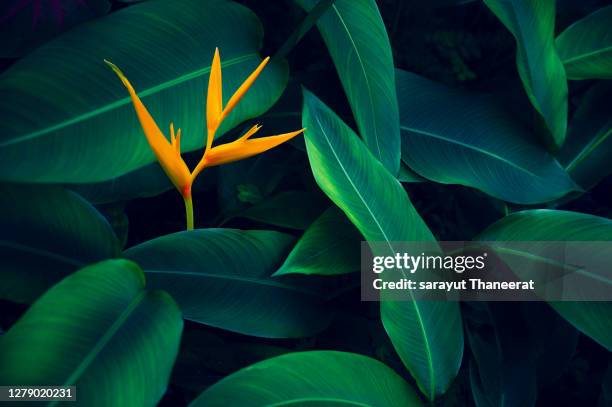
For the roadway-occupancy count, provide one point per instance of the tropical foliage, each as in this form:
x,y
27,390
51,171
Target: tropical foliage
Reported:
x,y
424,121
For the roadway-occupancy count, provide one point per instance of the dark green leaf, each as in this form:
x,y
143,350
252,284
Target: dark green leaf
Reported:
x,y
532,22
375,202
355,35
587,153
585,47
316,378
98,330
328,247
592,318
46,233
454,137
221,278
65,111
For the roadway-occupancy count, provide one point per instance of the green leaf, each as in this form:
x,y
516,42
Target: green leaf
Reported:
x,y
321,378
376,203
592,318
587,153
27,24
585,47
65,111
98,329
454,137
407,175
288,209
532,22
221,278
328,247
46,233
357,41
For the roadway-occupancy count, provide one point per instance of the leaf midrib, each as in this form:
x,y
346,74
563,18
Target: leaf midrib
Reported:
x,y
124,101
229,277
470,147
413,302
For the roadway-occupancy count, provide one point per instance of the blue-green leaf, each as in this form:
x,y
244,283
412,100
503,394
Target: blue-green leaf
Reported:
x,y
532,22
376,203
357,40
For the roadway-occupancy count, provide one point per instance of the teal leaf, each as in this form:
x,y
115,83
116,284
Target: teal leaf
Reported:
x,y
357,41
67,112
587,153
97,329
376,203
221,278
592,318
454,137
532,23
46,233
328,247
585,47
315,378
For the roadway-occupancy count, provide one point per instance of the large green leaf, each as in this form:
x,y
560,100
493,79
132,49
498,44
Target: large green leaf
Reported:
x,y
46,233
221,277
585,47
315,378
592,318
65,117
355,35
532,22
375,202
98,330
454,137
328,247
587,153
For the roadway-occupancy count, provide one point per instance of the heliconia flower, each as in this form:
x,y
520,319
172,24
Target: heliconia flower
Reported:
x,y
168,152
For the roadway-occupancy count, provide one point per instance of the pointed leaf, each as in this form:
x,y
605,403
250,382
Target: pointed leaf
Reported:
x,y
455,137
357,41
532,22
327,247
375,202
585,47
97,329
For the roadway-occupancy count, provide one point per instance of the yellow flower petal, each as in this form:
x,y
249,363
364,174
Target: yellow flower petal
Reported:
x,y
243,89
245,148
173,164
214,99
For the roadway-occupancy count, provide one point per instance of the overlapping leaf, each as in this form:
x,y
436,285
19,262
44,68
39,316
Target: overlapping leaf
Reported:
x,y
357,41
585,47
221,277
454,137
96,329
66,118
592,318
532,22
46,233
375,202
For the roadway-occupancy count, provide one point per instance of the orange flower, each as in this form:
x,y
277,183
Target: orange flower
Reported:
x,y
168,153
